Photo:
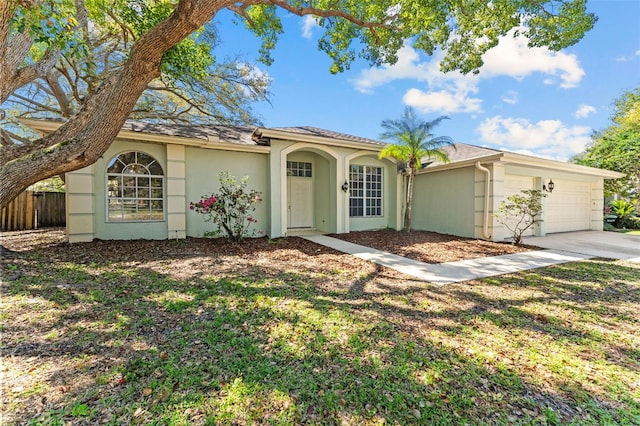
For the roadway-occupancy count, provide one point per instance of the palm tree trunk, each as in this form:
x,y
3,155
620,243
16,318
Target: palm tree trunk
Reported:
x,y
407,210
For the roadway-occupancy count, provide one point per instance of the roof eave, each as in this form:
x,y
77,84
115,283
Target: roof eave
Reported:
x,y
260,133
514,158
527,161
492,158
46,126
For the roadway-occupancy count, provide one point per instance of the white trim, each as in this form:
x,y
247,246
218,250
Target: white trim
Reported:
x,y
301,137
509,158
136,198
365,190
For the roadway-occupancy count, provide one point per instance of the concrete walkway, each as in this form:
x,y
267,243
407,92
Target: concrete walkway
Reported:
x,y
611,245
452,272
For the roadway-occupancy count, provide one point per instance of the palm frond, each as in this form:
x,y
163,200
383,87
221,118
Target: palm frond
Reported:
x,y
413,138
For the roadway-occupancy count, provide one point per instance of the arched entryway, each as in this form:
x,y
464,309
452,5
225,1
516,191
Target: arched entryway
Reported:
x,y
310,189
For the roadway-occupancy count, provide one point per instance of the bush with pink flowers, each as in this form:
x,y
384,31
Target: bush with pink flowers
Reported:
x,y
231,208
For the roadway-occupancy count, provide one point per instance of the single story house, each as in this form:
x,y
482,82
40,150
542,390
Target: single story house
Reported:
x,y
311,179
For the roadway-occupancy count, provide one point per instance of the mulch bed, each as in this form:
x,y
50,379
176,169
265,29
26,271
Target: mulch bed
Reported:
x,y
430,247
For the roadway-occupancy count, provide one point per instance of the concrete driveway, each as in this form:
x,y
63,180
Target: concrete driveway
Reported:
x,y
611,245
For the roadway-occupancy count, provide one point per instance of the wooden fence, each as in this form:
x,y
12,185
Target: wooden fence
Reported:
x,y
31,210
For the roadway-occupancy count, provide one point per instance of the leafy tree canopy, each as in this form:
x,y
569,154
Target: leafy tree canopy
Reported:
x,y
162,39
618,147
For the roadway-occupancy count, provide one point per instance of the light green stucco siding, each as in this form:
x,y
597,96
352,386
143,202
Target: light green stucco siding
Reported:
x,y
202,169
156,230
191,172
444,202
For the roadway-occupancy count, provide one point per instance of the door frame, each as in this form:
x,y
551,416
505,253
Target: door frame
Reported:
x,y
311,204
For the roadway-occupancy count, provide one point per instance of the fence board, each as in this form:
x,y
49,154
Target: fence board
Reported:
x,y
51,209
31,210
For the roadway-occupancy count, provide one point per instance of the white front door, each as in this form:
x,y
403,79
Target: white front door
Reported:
x,y
300,202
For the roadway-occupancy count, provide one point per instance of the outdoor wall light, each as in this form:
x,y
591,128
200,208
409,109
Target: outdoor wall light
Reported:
x,y
345,186
549,187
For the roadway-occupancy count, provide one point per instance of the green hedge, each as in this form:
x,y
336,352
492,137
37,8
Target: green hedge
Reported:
x,y
632,222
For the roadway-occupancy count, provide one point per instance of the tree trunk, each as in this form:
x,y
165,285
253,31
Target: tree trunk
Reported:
x,y
407,210
84,138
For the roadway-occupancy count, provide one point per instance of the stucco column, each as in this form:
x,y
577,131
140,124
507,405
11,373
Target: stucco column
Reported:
x,y
176,192
80,211
597,205
342,202
276,182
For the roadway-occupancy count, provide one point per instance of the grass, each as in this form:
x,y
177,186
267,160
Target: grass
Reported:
x,y
137,345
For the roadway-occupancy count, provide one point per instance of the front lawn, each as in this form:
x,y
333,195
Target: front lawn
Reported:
x,y
286,332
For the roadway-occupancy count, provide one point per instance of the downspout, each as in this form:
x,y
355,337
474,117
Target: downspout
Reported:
x,y
485,213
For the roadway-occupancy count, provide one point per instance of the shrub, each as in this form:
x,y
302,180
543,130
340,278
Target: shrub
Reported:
x,y
231,208
631,222
520,212
623,209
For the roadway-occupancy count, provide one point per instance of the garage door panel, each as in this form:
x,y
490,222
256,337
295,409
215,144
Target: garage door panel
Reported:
x,y
567,208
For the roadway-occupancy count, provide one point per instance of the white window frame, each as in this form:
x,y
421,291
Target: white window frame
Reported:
x,y
362,175
138,199
299,169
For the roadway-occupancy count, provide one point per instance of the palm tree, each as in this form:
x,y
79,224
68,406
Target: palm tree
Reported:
x,y
414,144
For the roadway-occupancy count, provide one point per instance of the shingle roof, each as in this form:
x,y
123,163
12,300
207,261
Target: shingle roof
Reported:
x,y
315,131
233,134
463,152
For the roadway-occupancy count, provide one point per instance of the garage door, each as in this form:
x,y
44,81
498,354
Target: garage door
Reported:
x,y
568,207
513,185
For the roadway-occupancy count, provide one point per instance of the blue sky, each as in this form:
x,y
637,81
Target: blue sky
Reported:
x,y
531,101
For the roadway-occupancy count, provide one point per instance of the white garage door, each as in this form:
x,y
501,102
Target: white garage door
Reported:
x,y
513,185
568,207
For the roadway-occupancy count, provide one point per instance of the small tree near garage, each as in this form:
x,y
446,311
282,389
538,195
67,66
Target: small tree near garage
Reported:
x,y
520,212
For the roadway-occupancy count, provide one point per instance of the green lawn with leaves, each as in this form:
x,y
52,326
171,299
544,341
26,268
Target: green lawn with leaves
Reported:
x,y
266,333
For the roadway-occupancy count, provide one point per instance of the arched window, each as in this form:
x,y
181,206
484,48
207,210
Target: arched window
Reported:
x,y
135,188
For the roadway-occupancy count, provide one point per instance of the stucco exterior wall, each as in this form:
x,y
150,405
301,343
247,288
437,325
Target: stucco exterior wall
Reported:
x,y
80,202
597,205
202,169
331,204
156,230
444,202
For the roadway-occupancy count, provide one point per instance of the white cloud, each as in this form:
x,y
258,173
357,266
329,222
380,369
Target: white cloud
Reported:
x,y
441,101
511,97
308,24
451,92
585,111
628,58
448,92
512,57
407,67
547,138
